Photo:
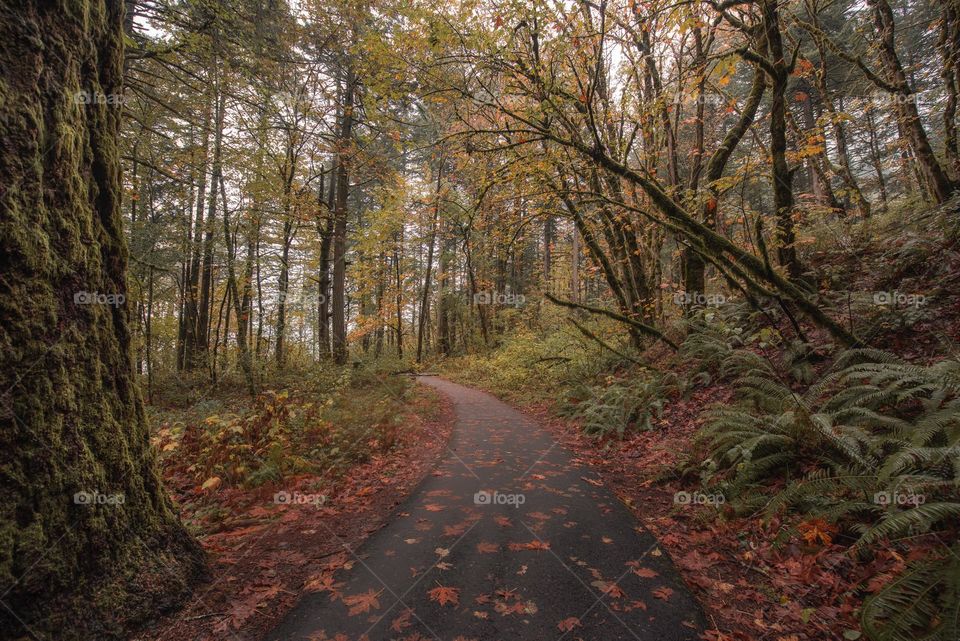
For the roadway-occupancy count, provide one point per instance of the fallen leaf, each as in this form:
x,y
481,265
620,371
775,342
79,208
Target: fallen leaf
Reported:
x,y
360,603
663,593
444,595
568,624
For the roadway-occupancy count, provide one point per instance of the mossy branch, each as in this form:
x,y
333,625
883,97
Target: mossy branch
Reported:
x,y
586,332
620,318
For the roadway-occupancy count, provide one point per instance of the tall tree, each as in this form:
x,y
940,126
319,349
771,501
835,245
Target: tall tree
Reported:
x,y
74,435
344,149
936,180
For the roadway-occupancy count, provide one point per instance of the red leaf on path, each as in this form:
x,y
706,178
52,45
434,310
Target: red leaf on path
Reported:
x,y
504,608
507,594
402,621
663,593
568,624
637,604
433,507
503,521
532,545
360,603
444,595
487,548
645,573
610,589
321,635
323,582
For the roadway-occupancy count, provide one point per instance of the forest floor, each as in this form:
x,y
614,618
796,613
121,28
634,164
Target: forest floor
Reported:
x,y
264,552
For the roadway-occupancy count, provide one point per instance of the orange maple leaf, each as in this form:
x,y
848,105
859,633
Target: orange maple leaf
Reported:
x,y
402,621
610,589
663,593
444,595
532,545
360,603
323,582
487,548
817,530
568,624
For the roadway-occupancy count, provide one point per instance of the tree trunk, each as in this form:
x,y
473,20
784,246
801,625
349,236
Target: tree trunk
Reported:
x,y
875,157
782,176
425,299
936,181
192,286
397,252
202,334
694,263
325,229
78,563
241,306
950,50
340,222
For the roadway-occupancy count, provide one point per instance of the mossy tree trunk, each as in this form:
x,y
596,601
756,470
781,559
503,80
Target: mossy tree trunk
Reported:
x,y
75,562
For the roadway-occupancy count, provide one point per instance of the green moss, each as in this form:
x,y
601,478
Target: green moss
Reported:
x,y
72,419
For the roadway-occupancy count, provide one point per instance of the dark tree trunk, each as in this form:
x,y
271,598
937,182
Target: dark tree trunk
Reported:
x,y
338,302
325,229
241,304
78,564
936,181
425,299
695,264
950,50
397,253
782,175
876,158
202,334
446,327
191,312
548,232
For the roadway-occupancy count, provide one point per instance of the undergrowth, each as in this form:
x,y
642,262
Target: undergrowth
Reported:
x,y
870,445
321,421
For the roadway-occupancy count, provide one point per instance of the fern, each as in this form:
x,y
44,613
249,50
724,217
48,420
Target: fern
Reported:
x,y
922,604
872,427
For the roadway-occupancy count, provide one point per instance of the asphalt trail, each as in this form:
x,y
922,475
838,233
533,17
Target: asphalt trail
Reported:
x,y
512,535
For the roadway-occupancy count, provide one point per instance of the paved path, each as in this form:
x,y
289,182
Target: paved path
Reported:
x,y
551,556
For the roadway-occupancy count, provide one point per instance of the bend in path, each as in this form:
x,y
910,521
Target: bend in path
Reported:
x,y
509,539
